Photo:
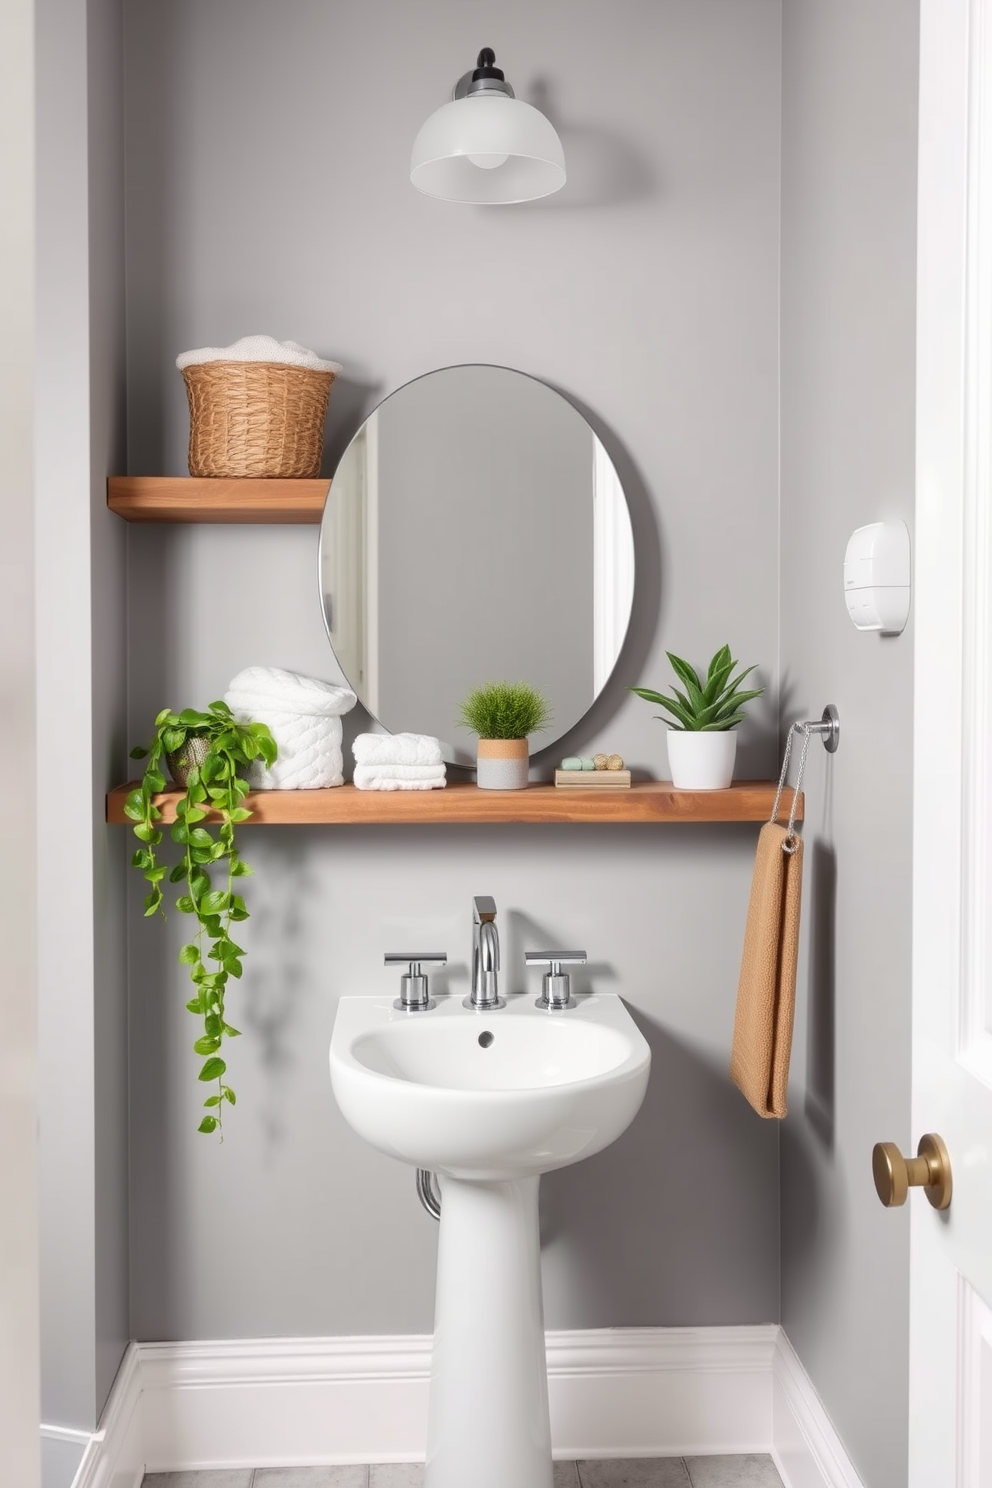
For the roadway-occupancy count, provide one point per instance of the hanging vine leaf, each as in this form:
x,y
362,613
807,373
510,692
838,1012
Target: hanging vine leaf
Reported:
x,y
214,796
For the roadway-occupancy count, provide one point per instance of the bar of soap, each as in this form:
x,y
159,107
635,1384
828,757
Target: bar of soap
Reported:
x,y
587,763
572,763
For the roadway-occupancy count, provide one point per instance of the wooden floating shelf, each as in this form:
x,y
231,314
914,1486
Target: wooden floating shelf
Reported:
x,y
164,498
649,801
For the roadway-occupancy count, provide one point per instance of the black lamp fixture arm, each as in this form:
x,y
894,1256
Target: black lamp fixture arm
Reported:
x,y
485,79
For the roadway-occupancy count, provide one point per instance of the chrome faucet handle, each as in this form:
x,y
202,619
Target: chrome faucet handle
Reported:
x,y
415,994
557,984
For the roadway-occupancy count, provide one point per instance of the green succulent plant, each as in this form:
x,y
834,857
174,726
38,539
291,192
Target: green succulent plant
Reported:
x,y
215,788
712,705
505,710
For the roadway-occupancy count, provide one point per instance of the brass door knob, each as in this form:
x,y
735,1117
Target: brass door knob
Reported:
x,y
895,1175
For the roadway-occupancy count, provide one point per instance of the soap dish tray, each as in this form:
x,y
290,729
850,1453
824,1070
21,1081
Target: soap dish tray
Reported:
x,y
593,779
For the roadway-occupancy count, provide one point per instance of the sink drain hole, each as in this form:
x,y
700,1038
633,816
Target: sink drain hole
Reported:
x,y
485,1039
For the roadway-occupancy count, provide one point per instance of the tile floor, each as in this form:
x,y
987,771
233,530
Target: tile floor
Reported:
x,y
754,1471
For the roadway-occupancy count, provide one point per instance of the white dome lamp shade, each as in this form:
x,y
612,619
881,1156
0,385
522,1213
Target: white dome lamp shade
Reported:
x,y
486,145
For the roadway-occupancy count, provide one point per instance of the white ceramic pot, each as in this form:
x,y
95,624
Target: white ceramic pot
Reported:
x,y
702,761
502,764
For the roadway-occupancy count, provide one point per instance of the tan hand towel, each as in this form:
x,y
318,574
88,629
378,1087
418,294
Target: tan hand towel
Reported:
x,y
766,992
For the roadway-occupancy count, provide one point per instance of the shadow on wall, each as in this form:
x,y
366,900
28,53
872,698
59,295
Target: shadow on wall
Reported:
x,y
762,746
815,1216
166,1150
276,971
820,1030
603,169
152,193
762,743
641,1186
155,1186
352,400
152,627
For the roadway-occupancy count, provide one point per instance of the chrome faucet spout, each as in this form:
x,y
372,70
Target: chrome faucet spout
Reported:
x,y
485,956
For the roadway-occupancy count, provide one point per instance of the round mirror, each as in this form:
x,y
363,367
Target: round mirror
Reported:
x,y
475,531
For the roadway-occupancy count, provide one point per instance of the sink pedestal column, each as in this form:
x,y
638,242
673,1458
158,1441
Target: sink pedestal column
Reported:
x,y
488,1423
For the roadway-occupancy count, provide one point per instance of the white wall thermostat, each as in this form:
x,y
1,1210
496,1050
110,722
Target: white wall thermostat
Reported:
x,y
877,577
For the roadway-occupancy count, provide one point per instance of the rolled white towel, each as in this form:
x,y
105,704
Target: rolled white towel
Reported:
x,y
259,349
304,717
399,777
396,749
404,772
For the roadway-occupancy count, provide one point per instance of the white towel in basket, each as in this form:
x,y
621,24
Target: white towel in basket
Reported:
x,y
304,716
259,349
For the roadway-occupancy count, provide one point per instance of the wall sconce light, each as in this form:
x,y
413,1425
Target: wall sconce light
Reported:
x,y
486,145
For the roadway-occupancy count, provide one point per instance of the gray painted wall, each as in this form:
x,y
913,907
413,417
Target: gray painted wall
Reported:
x,y
267,191
108,560
82,678
848,328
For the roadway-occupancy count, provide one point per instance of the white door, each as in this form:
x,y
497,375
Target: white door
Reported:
x,y
951,1252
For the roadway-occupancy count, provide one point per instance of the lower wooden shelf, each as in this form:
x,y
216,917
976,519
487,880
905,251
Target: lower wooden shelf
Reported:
x,y
648,801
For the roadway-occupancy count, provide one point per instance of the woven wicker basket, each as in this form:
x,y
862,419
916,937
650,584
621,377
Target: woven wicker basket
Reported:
x,y
256,419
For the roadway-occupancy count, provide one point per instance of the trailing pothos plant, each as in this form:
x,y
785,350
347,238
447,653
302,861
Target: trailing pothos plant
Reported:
x,y
206,816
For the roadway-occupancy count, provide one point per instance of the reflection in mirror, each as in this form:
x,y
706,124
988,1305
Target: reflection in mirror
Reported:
x,y
475,530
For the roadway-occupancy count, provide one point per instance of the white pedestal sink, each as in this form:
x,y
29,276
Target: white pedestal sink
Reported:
x,y
488,1101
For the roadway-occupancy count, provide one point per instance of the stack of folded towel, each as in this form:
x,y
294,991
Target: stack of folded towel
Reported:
x,y
398,762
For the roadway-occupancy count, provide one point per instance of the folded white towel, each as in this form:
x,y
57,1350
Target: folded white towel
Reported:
x,y
304,717
399,777
259,349
403,772
396,749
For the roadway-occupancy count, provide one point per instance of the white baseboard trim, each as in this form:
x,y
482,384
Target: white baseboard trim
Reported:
x,y
660,1392
807,1450
625,1392
114,1456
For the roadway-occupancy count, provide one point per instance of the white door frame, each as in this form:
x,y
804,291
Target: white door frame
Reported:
x,y
952,852
19,1302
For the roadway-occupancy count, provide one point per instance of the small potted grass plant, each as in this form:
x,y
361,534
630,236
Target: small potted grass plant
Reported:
x,y
503,714
702,738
